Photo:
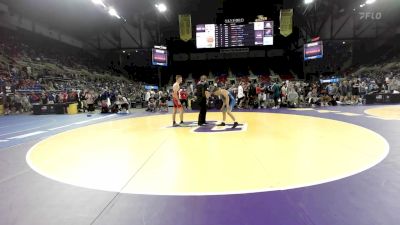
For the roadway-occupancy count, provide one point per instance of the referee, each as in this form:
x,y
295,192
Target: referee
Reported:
x,y
202,95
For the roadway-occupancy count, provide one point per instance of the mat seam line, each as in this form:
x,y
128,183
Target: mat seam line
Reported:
x,y
129,180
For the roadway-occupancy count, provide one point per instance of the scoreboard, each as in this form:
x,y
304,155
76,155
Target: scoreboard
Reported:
x,y
235,35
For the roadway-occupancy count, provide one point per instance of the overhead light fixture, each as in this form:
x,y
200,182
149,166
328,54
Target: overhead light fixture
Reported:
x,y
161,7
110,9
113,12
308,1
362,5
99,2
368,2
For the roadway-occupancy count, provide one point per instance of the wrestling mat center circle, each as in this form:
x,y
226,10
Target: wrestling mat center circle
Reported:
x,y
267,152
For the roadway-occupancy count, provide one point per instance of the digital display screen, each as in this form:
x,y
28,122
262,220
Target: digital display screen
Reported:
x,y
160,57
314,50
333,80
235,35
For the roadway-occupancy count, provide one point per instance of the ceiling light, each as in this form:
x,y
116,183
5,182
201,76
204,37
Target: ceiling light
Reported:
x,y
161,7
113,12
99,2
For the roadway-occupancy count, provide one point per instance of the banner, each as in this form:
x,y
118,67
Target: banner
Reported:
x,y
151,87
236,20
286,22
185,27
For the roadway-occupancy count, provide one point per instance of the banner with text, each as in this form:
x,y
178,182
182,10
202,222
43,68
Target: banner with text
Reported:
x,y
286,22
185,27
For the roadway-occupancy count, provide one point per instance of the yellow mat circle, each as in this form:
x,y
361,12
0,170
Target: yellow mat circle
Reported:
x,y
144,156
386,113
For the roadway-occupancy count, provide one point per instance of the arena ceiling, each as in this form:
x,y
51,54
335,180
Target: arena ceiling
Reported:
x,y
82,18
312,17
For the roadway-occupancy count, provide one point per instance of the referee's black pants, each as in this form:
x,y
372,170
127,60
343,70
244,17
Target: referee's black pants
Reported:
x,y
203,111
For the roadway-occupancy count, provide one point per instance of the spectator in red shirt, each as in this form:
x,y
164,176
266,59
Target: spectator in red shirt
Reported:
x,y
183,97
65,97
73,96
259,95
35,100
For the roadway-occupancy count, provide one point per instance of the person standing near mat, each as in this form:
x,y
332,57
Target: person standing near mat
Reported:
x,y
175,99
202,95
228,102
90,98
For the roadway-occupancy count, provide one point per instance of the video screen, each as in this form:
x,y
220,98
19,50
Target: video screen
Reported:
x,y
314,50
160,57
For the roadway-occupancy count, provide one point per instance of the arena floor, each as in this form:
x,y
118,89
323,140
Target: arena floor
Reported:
x,y
331,165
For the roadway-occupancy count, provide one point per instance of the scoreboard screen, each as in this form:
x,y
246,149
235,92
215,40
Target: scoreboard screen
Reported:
x,y
235,35
159,57
313,50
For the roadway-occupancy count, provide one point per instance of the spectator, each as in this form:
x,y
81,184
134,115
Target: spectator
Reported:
x,y
253,95
284,93
17,103
343,91
240,95
292,98
157,98
163,102
51,98
90,98
121,105
276,90
356,91
262,97
152,104
35,99
313,98
183,97
147,98
26,106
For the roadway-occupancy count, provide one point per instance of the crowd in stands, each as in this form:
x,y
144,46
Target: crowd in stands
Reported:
x,y
34,73
266,93
54,73
349,90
